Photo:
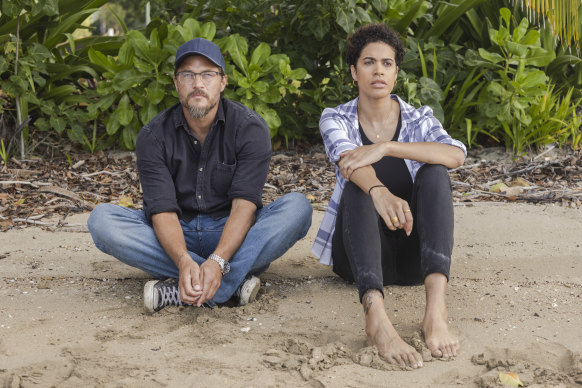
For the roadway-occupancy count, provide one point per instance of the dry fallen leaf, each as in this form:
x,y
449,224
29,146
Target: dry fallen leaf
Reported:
x,y
125,201
511,379
519,181
512,192
310,197
498,187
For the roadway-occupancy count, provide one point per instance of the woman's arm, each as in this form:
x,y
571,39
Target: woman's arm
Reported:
x,y
425,152
387,204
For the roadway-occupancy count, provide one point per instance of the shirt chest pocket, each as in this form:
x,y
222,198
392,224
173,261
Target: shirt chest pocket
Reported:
x,y
221,180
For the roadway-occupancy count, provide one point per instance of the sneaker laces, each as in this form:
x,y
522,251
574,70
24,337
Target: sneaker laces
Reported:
x,y
169,295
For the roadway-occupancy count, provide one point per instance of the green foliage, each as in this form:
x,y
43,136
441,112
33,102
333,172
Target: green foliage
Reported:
x,y
3,153
486,77
138,82
50,82
514,79
262,81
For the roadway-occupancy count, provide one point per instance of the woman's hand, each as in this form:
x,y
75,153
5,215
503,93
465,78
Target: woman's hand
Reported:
x,y
360,157
394,210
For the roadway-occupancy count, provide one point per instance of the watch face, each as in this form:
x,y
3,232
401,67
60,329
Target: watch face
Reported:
x,y
226,268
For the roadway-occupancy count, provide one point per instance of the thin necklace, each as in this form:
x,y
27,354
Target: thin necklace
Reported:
x,y
381,129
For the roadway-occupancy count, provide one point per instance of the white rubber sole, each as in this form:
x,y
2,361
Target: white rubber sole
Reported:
x,y
248,292
150,296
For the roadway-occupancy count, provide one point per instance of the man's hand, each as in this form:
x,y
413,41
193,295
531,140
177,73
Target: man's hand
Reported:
x,y
189,282
210,278
394,210
360,157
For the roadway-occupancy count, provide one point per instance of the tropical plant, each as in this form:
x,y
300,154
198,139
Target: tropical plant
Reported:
x,y
41,68
138,82
563,18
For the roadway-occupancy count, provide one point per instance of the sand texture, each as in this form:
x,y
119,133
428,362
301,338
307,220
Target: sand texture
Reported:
x,y
71,316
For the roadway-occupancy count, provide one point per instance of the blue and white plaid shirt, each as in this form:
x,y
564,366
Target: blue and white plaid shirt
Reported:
x,y
340,131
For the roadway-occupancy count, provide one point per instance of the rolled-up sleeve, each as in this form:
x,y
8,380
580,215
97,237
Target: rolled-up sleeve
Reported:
x,y
159,194
433,130
335,134
253,154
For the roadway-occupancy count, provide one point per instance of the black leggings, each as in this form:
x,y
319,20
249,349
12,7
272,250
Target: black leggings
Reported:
x,y
364,250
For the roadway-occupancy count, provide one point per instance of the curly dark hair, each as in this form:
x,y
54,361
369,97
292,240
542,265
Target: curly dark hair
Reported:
x,y
369,34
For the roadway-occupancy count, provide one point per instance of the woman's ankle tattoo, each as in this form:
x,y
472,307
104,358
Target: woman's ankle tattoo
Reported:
x,y
367,299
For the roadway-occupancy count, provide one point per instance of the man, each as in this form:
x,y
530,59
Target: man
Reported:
x,y
202,165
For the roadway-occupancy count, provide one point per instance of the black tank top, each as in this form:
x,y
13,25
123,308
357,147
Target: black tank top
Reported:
x,y
392,172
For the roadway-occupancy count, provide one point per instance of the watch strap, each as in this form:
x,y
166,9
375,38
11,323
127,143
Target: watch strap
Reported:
x,y
224,266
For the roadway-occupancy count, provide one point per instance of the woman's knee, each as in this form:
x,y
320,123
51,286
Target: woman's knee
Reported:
x,y
433,174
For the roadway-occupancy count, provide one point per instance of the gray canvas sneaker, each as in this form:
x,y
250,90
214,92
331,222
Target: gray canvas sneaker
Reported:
x,y
158,294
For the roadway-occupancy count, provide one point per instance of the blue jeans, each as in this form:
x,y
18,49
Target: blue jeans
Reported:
x,y
127,235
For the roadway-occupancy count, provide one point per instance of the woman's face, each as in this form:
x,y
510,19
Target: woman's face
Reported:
x,y
376,70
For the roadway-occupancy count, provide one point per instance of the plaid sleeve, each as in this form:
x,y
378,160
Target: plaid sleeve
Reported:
x,y
432,130
334,131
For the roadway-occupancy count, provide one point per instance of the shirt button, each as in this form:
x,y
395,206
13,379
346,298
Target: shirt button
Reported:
x,y
201,169
199,196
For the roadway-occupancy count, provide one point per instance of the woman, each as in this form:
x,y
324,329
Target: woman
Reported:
x,y
390,218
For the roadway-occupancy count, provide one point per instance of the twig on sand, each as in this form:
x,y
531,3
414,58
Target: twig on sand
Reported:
x,y
99,173
53,226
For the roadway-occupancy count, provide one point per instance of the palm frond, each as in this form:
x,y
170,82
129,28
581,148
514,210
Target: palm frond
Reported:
x,y
561,15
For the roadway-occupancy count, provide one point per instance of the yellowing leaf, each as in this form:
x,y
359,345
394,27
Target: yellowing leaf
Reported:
x,y
512,192
520,182
496,188
511,379
310,197
125,201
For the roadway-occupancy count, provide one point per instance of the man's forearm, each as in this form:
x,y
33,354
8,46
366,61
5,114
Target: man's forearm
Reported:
x,y
242,217
169,233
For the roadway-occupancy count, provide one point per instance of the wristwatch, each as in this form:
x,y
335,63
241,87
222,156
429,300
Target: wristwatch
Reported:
x,y
224,265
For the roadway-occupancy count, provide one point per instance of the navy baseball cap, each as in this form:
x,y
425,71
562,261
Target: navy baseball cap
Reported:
x,y
200,46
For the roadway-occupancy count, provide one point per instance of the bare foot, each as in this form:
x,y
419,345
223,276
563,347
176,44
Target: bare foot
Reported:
x,y
441,343
384,337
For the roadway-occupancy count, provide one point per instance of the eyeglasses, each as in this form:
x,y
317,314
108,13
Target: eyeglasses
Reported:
x,y
188,77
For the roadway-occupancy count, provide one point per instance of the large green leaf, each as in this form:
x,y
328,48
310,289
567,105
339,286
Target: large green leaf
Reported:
x,y
58,123
55,35
404,23
451,15
491,57
341,18
124,111
260,54
533,79
539,57
126,79
237,48
156,92
112,125
103,61
208,30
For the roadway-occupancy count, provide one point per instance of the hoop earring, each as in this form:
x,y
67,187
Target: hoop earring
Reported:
x,y
354,82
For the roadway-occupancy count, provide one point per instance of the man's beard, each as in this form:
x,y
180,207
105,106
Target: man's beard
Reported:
x,y
198,112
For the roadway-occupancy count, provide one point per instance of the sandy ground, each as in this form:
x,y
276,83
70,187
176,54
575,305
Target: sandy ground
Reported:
x,y
71,316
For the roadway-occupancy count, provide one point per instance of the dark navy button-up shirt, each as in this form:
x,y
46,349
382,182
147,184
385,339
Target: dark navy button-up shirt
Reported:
x,y
178,174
